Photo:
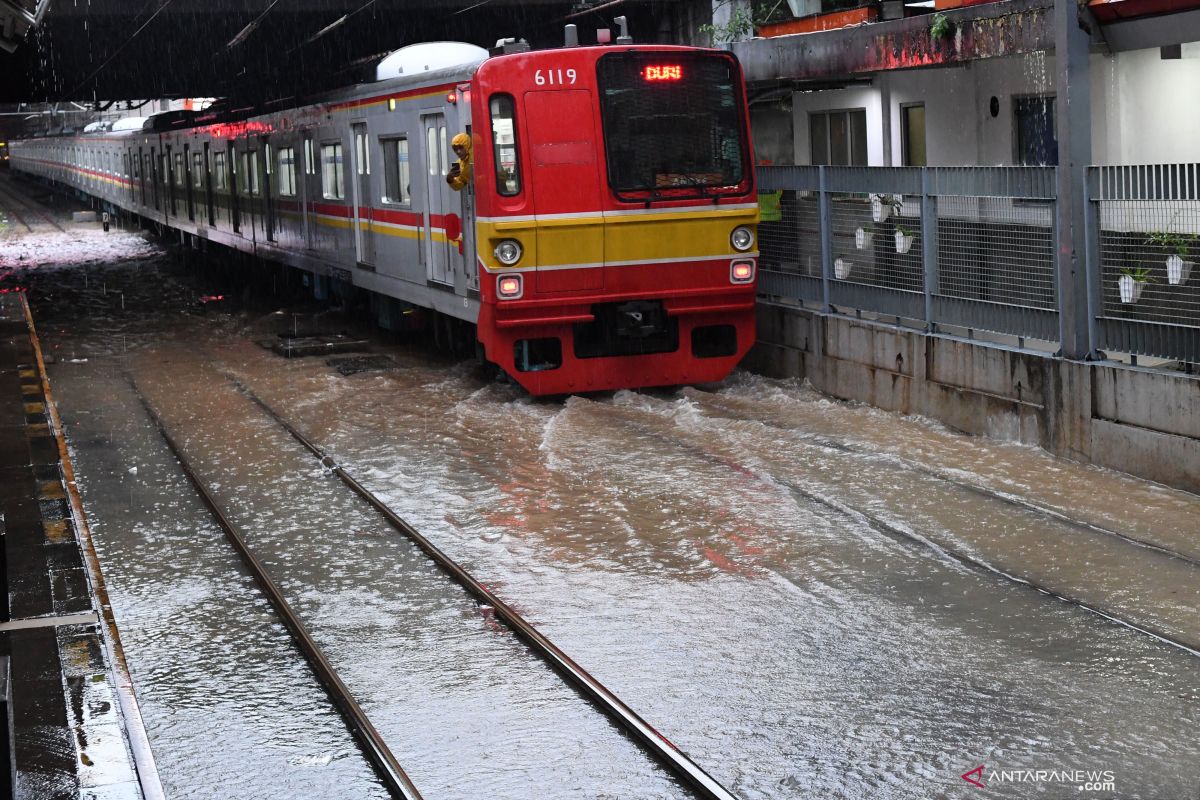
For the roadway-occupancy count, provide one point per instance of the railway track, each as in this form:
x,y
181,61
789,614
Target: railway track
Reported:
x,y
374,747
858,450
813,495
14,203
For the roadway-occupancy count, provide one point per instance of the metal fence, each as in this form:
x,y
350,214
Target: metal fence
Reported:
x,y
1143,240
974,247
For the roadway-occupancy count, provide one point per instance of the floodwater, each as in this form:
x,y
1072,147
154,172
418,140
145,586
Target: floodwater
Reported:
x,y
810,598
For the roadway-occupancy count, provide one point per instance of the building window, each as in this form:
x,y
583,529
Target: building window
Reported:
x,y
287,171
1037,140
912,133
838,138
396,176
504,146
333,182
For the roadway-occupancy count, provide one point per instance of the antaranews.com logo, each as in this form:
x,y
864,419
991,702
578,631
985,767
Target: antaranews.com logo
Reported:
x,y
1087,780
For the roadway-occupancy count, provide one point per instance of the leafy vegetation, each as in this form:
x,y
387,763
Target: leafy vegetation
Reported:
x,y
742,21
941,26
1180,243
1139,274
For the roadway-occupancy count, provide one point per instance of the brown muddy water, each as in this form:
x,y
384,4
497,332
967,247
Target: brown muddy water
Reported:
x,y
811,598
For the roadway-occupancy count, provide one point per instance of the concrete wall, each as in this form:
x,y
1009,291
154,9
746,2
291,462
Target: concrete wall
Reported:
x,y
1143,422
1137,113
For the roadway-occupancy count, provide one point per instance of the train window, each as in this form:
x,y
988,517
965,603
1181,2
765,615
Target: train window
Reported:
x,y
287,171
431,150
362,154
504,145
268,165
443,147
219,171
252,166
310,160
333,180
197,170
680,135
179,169
397,179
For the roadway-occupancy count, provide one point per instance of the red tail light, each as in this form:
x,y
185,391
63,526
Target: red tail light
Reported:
x,y
741,272
509,287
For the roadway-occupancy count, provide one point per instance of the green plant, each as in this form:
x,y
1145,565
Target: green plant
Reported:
x,y
1139,274
1181,243
893,201
742,21
941,26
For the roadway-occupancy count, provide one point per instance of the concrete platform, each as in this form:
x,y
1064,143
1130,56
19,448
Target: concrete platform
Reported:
x,y
72,729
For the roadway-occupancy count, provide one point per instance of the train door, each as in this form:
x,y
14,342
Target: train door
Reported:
x,y
251,192
189,179
565,179
171,179
307,191
364,237
208,186
437,199
235,200
154,176
268,171
142,165
130,170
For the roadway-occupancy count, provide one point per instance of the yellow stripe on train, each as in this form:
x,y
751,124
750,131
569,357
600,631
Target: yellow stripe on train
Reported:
x,y
591,240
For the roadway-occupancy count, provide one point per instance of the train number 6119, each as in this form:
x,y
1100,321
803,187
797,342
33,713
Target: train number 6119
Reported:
x,y
555,77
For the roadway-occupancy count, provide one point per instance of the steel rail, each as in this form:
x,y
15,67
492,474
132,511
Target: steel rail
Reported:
x,y
9,207
915,539
376,750
846,444
29,206
658,745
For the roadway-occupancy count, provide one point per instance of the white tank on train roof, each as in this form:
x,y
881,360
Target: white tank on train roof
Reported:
x,y
130,124
428,57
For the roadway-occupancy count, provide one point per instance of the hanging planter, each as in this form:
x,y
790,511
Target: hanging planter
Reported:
x,y
863,237
1131,283
904,241
1179,245
1178,270
841,268
884,205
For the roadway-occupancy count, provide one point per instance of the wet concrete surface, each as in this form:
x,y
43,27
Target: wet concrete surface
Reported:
x,y
67,737
812,599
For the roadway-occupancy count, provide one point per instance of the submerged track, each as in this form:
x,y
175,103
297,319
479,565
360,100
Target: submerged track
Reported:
x,y
390,771
376,750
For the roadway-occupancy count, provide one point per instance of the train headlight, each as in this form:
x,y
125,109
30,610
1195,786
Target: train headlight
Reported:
x,y
509,287
508,252
742,239
741,272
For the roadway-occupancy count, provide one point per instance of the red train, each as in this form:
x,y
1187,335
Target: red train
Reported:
x,y
607,237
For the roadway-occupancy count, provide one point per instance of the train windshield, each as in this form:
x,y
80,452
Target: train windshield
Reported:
x,y
672,124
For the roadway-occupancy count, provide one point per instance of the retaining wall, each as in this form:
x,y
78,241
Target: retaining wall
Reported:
x,y
1141,421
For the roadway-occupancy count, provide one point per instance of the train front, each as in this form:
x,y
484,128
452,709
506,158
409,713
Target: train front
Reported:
x,y
616,216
